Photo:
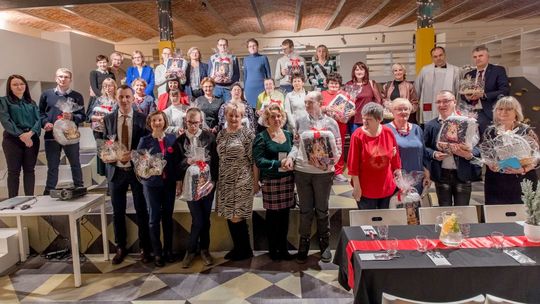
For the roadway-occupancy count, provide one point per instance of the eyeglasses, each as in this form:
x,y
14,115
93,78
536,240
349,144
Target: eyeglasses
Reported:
x,y
444,101
207,87
189,122
63,76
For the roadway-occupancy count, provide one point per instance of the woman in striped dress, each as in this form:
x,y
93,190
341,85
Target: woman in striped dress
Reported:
x,y
237,181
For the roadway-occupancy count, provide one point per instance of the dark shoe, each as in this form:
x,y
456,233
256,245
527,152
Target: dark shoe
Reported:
x,y
145,257
170,257
188,260
46,192
231,255
301,257
206,257
326,256
303,250
119,256
286,256
274,256
159,261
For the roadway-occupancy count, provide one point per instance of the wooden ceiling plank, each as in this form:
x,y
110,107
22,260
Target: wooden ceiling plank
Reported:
x,y
218,17
133,18
477,12
18,4
90,20
373,13
298,16
451,9
505,13
258,15
335,15
181,23
403,17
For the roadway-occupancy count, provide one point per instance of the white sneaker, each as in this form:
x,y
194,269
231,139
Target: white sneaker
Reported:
x,y
341,178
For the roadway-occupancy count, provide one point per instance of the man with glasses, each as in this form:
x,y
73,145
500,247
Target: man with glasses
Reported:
x,y
50,113
288,65
451,168
223,69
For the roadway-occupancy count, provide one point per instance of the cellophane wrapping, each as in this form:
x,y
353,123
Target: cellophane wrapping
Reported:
x,y
65,131
197,181
407,196
146,164
459,130
110,150
319,148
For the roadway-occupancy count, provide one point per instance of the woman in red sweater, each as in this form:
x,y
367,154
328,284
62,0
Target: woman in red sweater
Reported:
x,y
334,82
373,160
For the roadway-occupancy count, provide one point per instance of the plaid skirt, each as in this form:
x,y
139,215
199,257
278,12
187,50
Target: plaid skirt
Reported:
x,y
278,193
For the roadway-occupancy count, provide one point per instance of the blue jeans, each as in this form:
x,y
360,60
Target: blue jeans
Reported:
x,y
222,92
353,126
160,202
200,223
286,88
52,151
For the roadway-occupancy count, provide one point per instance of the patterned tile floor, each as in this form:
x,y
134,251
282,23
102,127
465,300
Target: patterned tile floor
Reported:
x,y
257,280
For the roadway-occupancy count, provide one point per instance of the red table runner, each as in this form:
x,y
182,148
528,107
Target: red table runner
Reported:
x,y
410,244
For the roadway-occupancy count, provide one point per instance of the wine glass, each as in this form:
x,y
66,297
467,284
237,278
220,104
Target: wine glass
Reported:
x,y
498,239
391,246
382,231
421,243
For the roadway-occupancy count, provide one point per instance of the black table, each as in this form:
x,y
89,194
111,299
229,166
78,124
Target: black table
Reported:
x,y
413,275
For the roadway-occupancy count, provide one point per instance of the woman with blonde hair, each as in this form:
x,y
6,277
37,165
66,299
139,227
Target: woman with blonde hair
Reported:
x,y
237,180
269,152
399,87
504,186
196,71
320,68
140,69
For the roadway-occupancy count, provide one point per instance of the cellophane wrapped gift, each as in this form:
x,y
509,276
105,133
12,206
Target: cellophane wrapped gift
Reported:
x,y
103,107
223,69
146,164
340,106
470,86
353,90
459,130
319,147
408,197
295,65
175,68
512,149
387,114
197,181
65,131
110,150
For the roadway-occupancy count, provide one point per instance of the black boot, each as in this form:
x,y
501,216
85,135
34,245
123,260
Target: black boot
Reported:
x,y
303,250
233,230
281,235
324,246
245,251
272,232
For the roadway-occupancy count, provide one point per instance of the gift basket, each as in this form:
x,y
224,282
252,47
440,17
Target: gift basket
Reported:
x,y
469,86
175,69
408,197
147,165
457,130
104,107
319,147
340,106
387,114
222,71
65,131
110,150
197,181
512,149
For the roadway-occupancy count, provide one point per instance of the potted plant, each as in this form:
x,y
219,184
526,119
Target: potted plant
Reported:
x,y
531,199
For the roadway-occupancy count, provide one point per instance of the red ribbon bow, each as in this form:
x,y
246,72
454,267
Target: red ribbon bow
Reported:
x,y
295,61
224,59
108,108
201,164
276,101
60,116
317,132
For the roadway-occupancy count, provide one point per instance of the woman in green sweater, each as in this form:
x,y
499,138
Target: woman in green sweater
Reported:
x,y
270,151
19,115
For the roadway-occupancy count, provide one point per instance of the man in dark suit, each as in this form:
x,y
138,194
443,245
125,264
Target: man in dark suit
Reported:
x,y
495,86
128,126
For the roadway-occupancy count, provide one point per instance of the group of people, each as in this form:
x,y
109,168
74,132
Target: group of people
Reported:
x,y
268,134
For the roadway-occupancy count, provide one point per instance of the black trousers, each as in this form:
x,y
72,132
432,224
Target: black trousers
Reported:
x,y
277,228
118,187
160,203
19,156
451,191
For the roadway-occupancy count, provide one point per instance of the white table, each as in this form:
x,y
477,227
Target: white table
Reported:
x,y
74,209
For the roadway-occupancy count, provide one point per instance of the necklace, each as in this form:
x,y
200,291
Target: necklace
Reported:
x,y
403,132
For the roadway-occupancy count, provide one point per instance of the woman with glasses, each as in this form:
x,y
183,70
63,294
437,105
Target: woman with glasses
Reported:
x,y
200,209
209,104
140,69
195,72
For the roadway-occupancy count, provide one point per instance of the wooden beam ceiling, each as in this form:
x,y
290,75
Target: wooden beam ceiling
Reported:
x,y
18,4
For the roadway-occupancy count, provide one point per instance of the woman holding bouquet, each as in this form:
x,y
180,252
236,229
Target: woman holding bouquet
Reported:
x,y
363,90
373,160
314,156
237,96
200,207
270,152
504,187
159,190
334,82
237,181
103,105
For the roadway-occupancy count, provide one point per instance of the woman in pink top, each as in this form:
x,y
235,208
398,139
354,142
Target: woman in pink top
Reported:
x,y
373,160
362,90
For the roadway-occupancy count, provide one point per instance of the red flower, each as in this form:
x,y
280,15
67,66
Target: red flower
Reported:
x,y
169,150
